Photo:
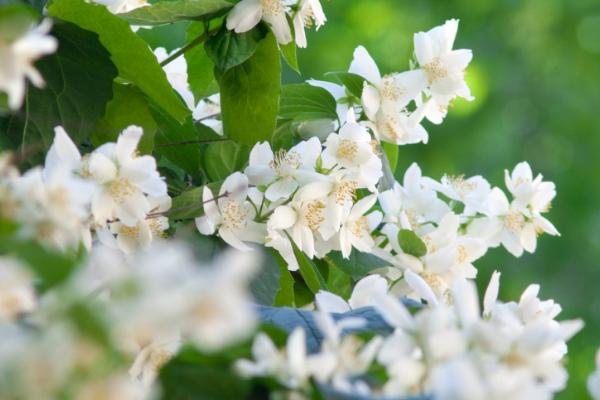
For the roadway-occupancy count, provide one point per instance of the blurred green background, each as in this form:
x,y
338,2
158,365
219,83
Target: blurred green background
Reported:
x,y
536,79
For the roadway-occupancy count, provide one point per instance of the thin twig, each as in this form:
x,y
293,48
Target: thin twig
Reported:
x,y
199,40
186,208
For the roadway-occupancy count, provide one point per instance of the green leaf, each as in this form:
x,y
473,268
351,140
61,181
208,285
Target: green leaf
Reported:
x,y
358,265
228,49
302,102
283,137
288,51
199,66
15,20
221,159
129,52
171,36
181,143
271,284
338,281
128,107
250,95
309,272
411,244
285,293
391,152
353,83
196,375
169,11
79,79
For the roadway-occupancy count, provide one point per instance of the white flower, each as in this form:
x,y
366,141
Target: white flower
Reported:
x,y
529,192
132,238
62,154
218,308
511,225
362,295
303,217
413,204
309,12
17,295
284,171
352,149
247,14
473,192
291,366
55,209
125,180
443,68
152,357
356,228
231,214
384,100
18,57
122,6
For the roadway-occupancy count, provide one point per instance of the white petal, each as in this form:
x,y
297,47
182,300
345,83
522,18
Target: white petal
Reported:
x,y
364,65
330,302
419,285
281,189
244,16
127,142
491,293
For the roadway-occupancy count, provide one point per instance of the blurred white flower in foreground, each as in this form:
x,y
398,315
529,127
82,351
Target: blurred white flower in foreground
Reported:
x,y
18,55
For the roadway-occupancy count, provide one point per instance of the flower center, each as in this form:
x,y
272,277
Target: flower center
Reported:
x,y
314,214
347,149
514,221
271,8
234,215
462,186
121,189
284,160
435,70
433,280
130,231
345,191
462,254
360,227
390,90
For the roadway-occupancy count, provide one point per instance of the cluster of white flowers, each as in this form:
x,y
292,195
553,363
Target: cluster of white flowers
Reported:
x,y
458,231
18,51
304,13
455,352
305,196
113,191
152,303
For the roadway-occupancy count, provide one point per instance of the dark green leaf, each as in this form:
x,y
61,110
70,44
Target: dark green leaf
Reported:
x,y
199,66
129,52
265,285
302,102
338,281
128,107
285,293
79,79
309,272
358,265
194,375
168,11
250,95
411,244
181,143
221,159
353,83
228,49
